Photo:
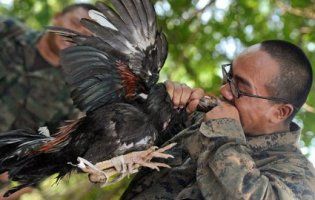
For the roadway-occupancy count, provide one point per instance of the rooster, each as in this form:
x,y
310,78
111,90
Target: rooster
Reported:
x,y
113,76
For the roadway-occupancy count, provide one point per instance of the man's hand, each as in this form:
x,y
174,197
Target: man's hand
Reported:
x,y
184,96
223,110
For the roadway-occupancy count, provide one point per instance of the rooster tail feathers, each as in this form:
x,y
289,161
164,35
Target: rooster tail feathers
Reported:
x,y
30,156
18,144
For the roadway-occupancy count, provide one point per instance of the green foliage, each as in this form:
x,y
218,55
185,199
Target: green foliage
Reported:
x,y
201,37
36,14
76,187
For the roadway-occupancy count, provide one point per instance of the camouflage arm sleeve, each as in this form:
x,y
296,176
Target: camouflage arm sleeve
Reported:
x,y
227,160
17,55
10,27
16,42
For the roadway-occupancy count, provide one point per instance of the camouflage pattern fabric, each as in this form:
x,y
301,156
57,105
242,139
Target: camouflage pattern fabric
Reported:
x,y
215,160
32,92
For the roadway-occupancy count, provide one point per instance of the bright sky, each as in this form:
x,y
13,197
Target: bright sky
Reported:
x,y
82,1
6,3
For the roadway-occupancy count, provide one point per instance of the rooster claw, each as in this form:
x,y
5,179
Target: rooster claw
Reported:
x,y
125,165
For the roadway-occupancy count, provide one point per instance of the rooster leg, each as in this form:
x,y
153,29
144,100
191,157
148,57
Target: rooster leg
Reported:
x,y
134,160
125,165
114,169
98,176
95,175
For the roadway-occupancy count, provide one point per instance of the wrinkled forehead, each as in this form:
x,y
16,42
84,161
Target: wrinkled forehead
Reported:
x,y
255,58
255,65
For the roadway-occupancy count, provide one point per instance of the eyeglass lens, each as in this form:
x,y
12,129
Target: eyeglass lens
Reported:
x,y
227,76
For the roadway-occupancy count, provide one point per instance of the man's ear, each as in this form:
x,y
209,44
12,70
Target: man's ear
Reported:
x,y
281,112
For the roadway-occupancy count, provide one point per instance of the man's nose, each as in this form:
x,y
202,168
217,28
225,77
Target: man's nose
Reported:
x,y
226,92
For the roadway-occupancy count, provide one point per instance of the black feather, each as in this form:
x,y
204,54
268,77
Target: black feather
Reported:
x,y
116,20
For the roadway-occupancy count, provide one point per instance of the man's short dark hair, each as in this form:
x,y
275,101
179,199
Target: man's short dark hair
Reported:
x,y
295,78
72,7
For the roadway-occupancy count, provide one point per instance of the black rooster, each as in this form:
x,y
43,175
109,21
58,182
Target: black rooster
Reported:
x,y
113,74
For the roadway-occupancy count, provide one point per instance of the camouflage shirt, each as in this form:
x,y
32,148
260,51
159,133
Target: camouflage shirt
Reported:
x,y
32,92
215,160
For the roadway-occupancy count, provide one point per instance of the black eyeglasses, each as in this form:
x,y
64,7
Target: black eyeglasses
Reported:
x,y
237,93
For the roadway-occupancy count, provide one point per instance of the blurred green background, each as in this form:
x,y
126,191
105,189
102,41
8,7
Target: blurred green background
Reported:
x,y
202,34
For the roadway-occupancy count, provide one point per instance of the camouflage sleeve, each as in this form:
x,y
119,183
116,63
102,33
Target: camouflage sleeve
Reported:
x,y
227,158
10,27
10,53
17,53
17,46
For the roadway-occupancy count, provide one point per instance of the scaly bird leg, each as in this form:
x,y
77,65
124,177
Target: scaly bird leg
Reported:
x,y
134,160
125,165
95,175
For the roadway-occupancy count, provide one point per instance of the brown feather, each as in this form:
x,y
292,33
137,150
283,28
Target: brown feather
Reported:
x,y
62,135
129,79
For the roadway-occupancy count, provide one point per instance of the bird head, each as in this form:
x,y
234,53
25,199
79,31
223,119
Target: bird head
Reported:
x,y
149,79
151,66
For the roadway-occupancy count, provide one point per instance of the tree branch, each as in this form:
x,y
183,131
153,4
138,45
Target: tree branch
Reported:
x,y
309,108
197,12
302,12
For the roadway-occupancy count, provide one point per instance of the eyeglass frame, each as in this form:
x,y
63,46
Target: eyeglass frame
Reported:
x,y
228,77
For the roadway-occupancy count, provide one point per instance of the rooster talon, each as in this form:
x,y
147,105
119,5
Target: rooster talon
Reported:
x,y
161,155
167,147
124,165
95,174
83,164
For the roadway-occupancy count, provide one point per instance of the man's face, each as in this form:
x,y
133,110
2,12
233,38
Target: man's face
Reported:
x,y
70,20
252,72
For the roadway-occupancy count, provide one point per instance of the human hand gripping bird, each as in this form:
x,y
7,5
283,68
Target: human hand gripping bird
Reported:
x,y
113,76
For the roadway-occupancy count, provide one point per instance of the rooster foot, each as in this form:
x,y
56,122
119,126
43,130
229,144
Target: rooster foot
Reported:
x,y
124,165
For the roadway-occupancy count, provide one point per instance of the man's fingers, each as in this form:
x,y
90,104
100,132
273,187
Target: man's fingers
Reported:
x,y
197,93
187,91
177,95
192,106
181,94
170,88
194,99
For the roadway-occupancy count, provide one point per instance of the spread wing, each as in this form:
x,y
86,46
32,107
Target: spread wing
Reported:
x,y
119,60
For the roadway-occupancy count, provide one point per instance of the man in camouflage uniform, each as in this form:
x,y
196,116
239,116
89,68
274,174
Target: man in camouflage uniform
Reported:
x,y
247,146
32,90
